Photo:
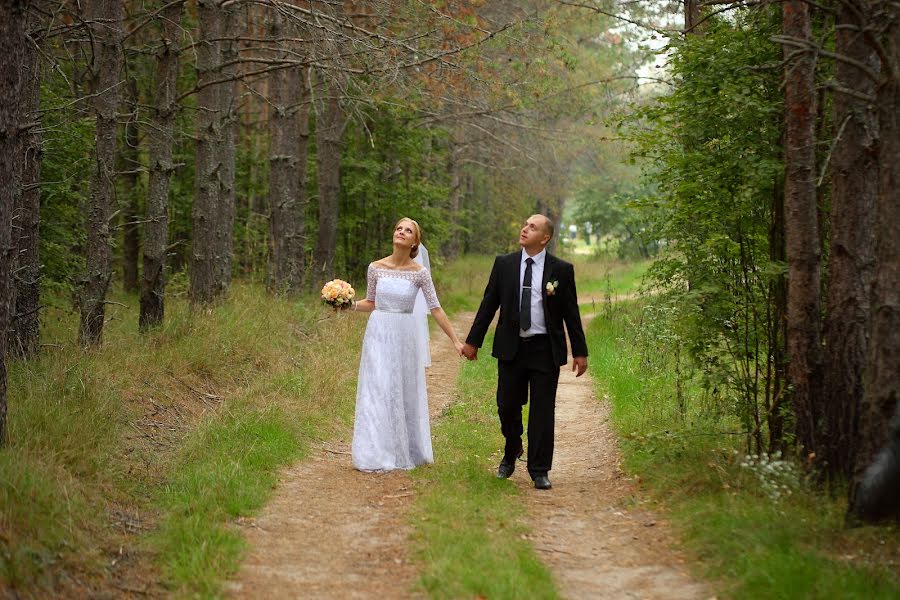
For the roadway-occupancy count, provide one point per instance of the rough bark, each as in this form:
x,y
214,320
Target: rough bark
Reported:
x,y
204,284
302,172
882,379
131,246
854,178
228,115
286,205
801,227
105,21
330,121
25,330
161,139
12,44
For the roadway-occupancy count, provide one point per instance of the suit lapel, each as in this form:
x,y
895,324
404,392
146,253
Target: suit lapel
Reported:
x,y
515,268
549,264
516,264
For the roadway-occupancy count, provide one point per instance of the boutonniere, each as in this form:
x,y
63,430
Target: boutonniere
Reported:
x,y
551,287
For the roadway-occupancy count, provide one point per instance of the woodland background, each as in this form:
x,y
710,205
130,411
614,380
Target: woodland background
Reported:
x,y
162,161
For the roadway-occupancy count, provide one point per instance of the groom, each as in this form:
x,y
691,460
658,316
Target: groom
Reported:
x,y
535,292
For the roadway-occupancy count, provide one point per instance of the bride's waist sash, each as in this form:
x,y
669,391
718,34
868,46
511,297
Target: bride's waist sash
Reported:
x,y
402,311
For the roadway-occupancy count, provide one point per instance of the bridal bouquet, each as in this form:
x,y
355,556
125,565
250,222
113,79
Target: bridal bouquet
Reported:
x,y
338,294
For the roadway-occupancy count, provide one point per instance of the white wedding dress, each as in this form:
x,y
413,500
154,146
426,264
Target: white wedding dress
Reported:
x,y
421,309
391,430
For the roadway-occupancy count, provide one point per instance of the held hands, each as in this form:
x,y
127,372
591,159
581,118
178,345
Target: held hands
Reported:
x,y
579,364
459,347
469,351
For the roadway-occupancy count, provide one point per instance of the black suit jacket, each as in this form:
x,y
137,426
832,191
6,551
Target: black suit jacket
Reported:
x,y
560,308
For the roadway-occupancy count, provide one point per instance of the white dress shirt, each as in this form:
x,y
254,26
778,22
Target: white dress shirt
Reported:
x,y
538,325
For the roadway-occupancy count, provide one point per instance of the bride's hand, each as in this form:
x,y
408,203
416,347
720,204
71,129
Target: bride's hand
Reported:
x,y
459,348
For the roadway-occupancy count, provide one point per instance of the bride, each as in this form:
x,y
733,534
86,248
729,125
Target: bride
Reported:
x,y
391,429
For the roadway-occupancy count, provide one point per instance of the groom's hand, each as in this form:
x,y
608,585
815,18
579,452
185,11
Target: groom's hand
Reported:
x,y
579,364
470,351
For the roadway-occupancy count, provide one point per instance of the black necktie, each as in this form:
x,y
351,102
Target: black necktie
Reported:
x,y
525,306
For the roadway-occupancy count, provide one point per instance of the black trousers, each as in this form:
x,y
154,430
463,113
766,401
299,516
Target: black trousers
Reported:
x,y
532,372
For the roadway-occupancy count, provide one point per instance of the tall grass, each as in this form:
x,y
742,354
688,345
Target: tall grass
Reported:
x,y
758,544
181,429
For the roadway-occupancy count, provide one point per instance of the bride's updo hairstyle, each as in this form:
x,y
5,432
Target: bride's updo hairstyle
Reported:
x,y
414,251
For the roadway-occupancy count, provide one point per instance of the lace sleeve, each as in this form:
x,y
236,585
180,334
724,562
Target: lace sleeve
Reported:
x,y
371,282
427,287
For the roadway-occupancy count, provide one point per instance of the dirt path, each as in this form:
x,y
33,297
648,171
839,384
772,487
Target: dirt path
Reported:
x,y
334,532
586,531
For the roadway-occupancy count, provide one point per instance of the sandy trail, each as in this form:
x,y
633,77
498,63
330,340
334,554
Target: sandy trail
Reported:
x,y
589,529
586,529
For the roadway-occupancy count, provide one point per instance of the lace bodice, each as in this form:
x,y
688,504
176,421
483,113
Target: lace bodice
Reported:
x,y
395,291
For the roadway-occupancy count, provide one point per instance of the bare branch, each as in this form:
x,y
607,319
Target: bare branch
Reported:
x,y
807,45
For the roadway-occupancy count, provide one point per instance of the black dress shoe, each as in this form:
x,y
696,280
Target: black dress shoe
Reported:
x,y
542,482
508,465
505,469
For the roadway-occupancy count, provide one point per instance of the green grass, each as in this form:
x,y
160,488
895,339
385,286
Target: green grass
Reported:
x,y
468,524
45,513
182,429
226,470
461,283
754,547
609,277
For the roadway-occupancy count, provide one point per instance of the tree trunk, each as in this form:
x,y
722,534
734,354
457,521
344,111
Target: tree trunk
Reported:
x,y
801,228
105,20
330,121
12,45
26,331
692,16
302,172
130,161
206,212
228,113
882,379
854,179
286,203
161,136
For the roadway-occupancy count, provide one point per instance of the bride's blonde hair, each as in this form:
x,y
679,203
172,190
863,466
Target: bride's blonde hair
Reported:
x,y
414,251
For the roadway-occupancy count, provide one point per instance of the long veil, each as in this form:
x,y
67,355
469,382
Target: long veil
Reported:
x,y
420,310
